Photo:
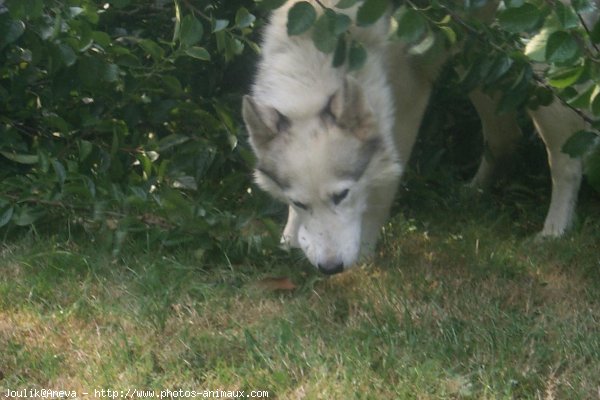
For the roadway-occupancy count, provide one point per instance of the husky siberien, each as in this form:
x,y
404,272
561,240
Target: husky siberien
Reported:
x,y
333,144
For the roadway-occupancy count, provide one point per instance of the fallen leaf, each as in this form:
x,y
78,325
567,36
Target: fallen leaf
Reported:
x,y
274,284
151,219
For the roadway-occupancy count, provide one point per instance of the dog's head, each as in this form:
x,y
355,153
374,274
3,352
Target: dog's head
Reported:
x,y
325,167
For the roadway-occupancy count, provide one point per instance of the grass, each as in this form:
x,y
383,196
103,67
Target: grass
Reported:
x,y
459,303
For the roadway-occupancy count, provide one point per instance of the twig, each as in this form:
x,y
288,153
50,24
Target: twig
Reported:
x,y
587,30
196,10
552,3
540,80
321,4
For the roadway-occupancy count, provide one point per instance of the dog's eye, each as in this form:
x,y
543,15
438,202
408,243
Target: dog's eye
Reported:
x,y
300,205
339,197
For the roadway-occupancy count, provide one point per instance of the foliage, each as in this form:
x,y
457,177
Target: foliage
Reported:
x,y
529,54
120,116
124,121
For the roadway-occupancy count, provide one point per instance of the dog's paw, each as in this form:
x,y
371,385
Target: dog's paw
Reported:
x,y
548,234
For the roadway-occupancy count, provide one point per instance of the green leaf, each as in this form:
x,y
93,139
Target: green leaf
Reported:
x,y
26,216
56,122
101,38
582,99
474,5
220,39
219,24
43,161
323,34
357,55
120,3
300,18
450,34
271,4
583,6
513,3
345,3
177,25
518,93
412,26
26,159
595,101
225,116
472,77
579,143
152,48
562,47
520,19
229,45
592,168
199,53
110,73
68,55
595,33
565,77
85,149
74,12
191,31
31,9
243,18
170,141
544,95
500,66
424,45
172,84
146,164
88,70
59,170
339,56
90,12
524,77
566,15
6,215
370,11
11,31
342,23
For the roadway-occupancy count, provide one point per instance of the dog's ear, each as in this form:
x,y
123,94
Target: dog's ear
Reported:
x,y
263,123
349,109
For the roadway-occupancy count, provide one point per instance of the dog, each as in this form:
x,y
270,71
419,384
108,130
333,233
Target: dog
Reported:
x,y
333,143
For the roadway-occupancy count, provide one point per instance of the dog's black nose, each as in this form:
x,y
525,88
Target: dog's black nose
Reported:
x,y
331,269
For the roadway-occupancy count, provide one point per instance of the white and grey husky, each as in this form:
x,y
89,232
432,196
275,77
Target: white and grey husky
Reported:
x,y
333,144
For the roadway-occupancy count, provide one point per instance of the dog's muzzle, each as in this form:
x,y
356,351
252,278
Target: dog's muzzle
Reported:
x,y
331,269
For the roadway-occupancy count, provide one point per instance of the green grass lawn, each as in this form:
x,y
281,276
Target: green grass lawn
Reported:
x,y
460,302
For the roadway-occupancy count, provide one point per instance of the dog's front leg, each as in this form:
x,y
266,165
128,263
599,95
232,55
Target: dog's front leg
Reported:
x,y
375,217
289,238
